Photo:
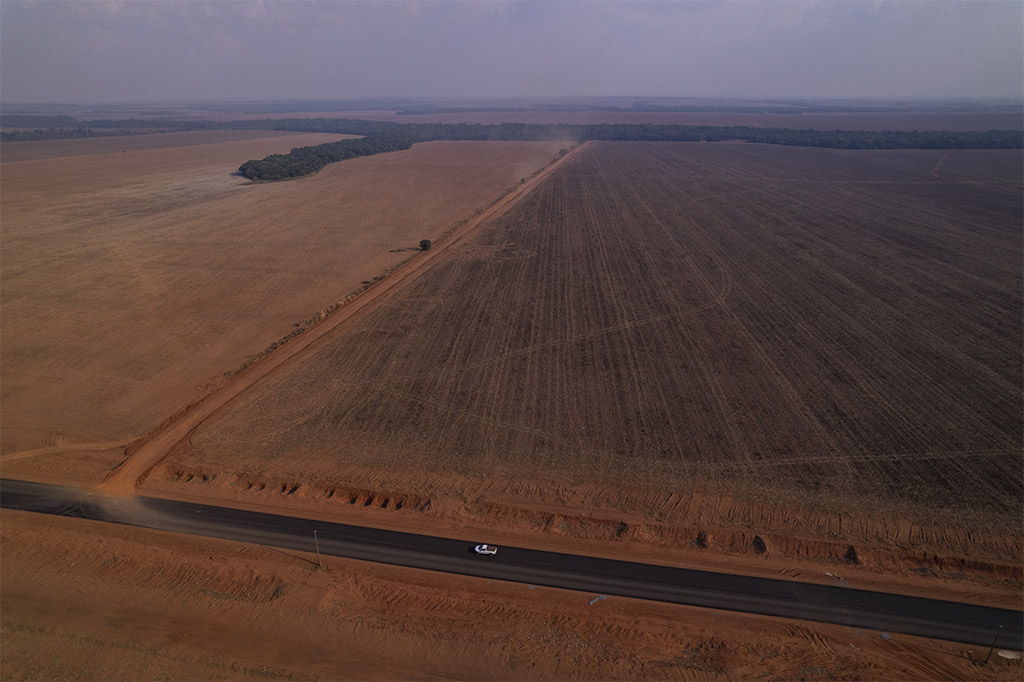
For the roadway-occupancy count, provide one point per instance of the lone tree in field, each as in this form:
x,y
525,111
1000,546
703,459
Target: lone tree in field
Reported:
x,y
425,244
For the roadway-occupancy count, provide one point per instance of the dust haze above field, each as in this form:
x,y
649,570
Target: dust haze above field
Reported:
x,y
87,52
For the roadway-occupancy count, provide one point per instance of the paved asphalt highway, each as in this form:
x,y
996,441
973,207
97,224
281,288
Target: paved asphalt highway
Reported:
x,y
952,621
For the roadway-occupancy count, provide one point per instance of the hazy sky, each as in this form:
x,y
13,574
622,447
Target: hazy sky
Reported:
x,y
84,52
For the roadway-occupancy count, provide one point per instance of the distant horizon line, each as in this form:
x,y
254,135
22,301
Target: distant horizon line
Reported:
x,y
1002,99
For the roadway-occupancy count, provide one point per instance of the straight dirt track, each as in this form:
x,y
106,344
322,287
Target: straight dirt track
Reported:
x,y
122,481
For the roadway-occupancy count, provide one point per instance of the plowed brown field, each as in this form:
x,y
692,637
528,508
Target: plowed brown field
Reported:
x,y
137,271
831,338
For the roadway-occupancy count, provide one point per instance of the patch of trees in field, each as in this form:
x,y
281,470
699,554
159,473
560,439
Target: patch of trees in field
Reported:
x,y
308,160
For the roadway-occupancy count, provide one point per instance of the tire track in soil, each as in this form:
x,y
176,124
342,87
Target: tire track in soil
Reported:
x,y
951,455
124,479
882,340
839,309
62,446
718,298
719,295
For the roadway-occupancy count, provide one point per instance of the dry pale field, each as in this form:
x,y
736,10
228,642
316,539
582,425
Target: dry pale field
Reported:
x,y
678,343
105,602
137,271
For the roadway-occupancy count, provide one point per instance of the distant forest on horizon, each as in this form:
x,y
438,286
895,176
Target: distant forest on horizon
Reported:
x,y
383,136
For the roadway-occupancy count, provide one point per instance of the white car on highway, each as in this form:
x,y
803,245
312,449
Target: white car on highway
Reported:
x,y
487,550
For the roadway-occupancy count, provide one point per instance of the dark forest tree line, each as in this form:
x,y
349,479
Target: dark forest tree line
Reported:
x,y
838,139
308,160
385,136
59,134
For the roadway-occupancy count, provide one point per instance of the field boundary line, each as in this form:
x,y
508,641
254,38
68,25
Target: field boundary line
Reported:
x,y
124,479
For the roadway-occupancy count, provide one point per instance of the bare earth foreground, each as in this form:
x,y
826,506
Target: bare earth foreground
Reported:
x,y
134,277
117,603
